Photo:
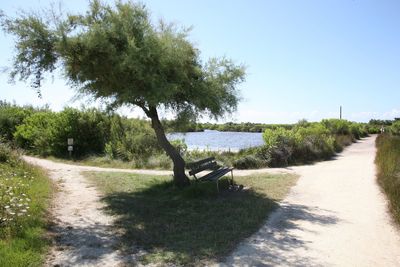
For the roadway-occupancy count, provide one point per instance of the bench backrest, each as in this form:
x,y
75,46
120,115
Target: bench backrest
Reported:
x,y
201,165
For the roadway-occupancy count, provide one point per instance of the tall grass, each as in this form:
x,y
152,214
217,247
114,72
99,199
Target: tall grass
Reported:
x,y
24,196
388,165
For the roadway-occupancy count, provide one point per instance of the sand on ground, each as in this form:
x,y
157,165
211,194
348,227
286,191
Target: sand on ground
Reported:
x,y
336,215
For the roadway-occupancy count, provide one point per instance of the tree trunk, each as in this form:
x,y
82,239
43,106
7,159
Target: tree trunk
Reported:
x,y
180,178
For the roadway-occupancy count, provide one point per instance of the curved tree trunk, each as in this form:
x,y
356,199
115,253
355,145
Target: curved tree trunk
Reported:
x,y
180,178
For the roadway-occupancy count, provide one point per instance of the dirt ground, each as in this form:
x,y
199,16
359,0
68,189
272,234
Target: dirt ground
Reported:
x,y
336,215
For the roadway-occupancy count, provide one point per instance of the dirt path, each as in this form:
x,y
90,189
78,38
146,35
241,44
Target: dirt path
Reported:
x,y
83,233
335,216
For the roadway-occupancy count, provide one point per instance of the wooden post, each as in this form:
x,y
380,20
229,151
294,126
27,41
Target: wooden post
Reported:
x,y
340,112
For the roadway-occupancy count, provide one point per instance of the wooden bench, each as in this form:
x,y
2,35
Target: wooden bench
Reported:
x,y
217,171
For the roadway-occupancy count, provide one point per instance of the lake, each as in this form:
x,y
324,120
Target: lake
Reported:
x,y
219,141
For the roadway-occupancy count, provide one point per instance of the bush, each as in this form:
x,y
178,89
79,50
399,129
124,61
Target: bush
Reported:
x,y
395,128
131,139
313,143
276,156
36,134
277,137
8,155
10,117
337,126
388,167
248,162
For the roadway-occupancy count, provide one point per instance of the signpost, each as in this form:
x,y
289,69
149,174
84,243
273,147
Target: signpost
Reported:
x,y
70,142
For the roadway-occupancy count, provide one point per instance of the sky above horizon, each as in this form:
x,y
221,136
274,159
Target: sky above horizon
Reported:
x,y
304,59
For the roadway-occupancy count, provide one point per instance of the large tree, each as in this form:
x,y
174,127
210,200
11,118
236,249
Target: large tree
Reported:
x,y
116,53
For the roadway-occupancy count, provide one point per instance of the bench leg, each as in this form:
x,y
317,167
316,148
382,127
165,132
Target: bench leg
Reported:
x,y
232,182
217,186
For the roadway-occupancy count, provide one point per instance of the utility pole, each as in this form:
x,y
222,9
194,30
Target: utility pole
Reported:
x,y
340,112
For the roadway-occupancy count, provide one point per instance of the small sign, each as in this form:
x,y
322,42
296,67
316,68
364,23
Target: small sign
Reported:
x,y
70,141
70,148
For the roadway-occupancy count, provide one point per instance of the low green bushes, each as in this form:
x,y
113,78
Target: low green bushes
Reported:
x,y
388,170
43,132
395,128
108,139
11,116
304,142
24,197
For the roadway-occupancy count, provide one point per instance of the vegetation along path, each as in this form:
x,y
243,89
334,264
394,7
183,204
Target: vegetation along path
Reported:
x,y
83,233
336,215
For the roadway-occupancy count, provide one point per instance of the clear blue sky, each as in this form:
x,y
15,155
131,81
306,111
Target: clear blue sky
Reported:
x,y
304,58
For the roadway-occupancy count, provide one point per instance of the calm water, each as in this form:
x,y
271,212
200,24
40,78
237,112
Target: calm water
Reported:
x,y
215,140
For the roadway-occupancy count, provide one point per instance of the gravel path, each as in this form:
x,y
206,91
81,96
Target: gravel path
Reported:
x,y
83,232
336,215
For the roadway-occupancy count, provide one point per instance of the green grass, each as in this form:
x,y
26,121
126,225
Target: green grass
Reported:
x,y
22,238
98,161
388,166
190,226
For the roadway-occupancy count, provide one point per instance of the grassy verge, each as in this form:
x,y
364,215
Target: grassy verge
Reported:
x,y
388,166
193,226
24,197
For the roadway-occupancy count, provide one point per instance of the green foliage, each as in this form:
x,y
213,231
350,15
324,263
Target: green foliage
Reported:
x,y
337,126
94,132
37,133
388,166
180,146
89,129
395,128
306,142
116,52
11,116
278,137
131,139
248,162
24,197
8,155
313,142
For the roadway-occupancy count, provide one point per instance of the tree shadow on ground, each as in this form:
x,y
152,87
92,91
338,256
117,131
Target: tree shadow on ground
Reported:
x,y
187,226
277,242
82,245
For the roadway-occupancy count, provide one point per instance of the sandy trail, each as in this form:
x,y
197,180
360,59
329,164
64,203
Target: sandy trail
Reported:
x,y
336,215
83,232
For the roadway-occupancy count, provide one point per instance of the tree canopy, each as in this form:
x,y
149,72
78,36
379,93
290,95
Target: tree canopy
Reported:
x,y
116,53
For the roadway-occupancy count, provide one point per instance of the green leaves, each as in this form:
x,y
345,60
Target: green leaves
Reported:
x,y
115,52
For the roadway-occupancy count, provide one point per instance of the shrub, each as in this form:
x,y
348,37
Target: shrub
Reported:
x,y
89,128
11,116
395,128
276,156
37,133
248,162
277,137
337,126
313,142
8,155
131,139
388,167
180,145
